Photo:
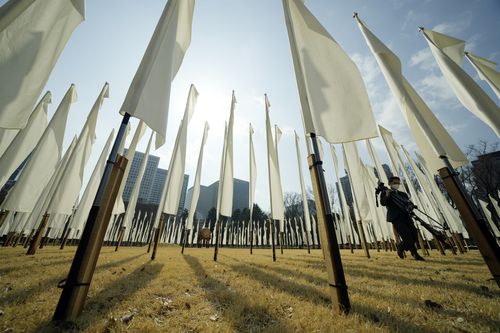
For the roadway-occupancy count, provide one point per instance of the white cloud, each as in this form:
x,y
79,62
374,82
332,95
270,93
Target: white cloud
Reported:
x,y
454,27
369,71
423,59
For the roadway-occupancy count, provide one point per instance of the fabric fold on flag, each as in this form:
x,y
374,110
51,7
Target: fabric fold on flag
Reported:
x,y
448,53
275,188
197,181
333,97
148,96
25,140
43,161
429,134
305,204
177,166
486,70
29,52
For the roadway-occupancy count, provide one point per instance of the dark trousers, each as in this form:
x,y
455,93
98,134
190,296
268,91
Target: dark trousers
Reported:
x,y
409,234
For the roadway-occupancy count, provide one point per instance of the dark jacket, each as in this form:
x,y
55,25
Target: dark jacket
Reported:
x,y
394,212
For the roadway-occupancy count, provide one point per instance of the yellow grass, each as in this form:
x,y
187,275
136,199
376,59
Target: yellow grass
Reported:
x,y
250,293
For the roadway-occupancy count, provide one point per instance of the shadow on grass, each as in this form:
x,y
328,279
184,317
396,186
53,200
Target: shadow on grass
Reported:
x,y
243,316
22,296
311,294
102,303
470,314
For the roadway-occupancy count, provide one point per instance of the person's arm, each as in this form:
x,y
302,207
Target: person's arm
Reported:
x,y
385,197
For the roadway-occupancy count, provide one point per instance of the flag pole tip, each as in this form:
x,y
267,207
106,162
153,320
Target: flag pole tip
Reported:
x,y
354,15
420,29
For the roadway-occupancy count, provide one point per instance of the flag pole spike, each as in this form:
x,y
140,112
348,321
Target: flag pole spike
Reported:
x,y
421,29
355,15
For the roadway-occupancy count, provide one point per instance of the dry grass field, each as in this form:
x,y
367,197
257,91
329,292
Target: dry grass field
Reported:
x,y
250,293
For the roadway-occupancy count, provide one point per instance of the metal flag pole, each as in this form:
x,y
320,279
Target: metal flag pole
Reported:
x,y
336,277
76,286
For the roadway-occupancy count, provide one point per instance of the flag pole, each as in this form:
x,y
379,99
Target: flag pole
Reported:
x,y
77,284
476,225
273,246
217,236
336,277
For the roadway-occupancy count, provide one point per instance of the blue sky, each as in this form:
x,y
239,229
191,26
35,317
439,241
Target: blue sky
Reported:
x,y
242,45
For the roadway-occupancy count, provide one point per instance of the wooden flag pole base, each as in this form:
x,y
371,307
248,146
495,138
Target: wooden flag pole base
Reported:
x,y
308,244
273,245
35,243
331,252
251,236
76,286
476,225
281,241
75,289
364,245
185,239
121,233
217,236
158,234
3,217
65,239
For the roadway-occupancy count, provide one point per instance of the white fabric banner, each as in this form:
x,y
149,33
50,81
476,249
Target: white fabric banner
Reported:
x,y
139,132
226,182
24,142
253,173
43,161
448,53
332,94
6,137
176,168
82,212
430,135
33,35
134,195
70,184
305,203
488,214
197,181
495,205
354,168
43,200
486,70
149,94
275,188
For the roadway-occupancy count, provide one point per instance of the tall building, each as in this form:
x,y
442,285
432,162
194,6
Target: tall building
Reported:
x,y
152,182
208,197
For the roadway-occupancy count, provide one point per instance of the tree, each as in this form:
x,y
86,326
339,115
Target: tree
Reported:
x,y
293,205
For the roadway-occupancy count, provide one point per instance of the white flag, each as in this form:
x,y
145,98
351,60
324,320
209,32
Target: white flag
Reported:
x,y
149,94
25,140
43,161
82,212
70,184
33,34
448,53
305,204
139,132
430,135
275,189
226,181
197,181
333,97
355,171
42,203
486,70
134,195
176,168
6,137
253,173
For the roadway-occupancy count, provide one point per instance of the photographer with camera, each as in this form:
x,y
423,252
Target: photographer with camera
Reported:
x,y
399,216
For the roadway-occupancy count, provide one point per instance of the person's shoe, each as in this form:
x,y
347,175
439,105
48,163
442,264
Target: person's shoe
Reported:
x,y
400,252
418,257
